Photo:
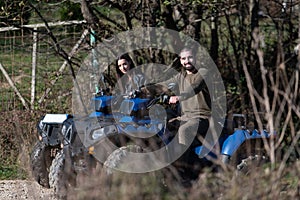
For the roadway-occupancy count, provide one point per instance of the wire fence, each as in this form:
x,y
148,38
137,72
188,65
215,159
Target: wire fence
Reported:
x,y
31,67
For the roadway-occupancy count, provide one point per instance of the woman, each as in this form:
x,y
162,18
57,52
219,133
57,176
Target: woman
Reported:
x,y
129,78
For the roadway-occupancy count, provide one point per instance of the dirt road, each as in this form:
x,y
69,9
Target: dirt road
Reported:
x,y
24,189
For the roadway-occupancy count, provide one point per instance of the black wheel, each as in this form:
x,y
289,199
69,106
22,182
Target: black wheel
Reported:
x,y
40,160
250,157
117,159
57,177
251,164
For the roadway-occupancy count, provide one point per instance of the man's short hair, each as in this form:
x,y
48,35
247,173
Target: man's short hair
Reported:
x,y
185,49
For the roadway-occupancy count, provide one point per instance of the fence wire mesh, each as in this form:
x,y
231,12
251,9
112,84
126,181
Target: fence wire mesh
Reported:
x,y
17,58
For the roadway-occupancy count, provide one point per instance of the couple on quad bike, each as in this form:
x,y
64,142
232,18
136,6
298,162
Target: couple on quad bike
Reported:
x,y
193,96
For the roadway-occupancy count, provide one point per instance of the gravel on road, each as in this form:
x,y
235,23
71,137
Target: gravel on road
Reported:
x,y
24,189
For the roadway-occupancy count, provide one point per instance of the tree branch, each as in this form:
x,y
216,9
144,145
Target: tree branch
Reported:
x,y
11,83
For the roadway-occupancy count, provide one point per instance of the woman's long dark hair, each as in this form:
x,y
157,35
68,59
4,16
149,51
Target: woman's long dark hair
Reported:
x,y
128,59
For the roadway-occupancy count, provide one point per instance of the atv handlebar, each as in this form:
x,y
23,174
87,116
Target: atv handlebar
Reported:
x,y
163,99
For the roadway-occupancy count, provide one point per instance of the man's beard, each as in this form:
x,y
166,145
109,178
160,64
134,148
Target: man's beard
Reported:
x,y
190,68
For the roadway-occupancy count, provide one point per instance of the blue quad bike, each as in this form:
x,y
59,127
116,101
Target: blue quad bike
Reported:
x,y
141,127
73,145
59,153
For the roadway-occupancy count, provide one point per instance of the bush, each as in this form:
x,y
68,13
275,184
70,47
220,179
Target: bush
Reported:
x,y
17,137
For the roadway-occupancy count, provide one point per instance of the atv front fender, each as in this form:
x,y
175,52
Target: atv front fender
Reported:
x,y
233,142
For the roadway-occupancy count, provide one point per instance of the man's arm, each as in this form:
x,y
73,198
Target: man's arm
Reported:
x,y
161,87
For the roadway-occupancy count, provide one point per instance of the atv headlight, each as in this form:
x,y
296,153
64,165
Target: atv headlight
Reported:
x,y
101,132
41,124
64,129
98,133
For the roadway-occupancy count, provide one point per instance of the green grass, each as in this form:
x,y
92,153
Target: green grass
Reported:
x,y
12,172
16,58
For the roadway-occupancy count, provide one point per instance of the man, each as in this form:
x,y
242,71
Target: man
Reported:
x,y
193,97
195,106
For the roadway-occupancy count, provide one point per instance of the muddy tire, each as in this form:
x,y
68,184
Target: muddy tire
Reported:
x,y
40,161
57,178
117,159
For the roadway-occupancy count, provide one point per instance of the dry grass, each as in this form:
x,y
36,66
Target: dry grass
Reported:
x,y
263,183
18,134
